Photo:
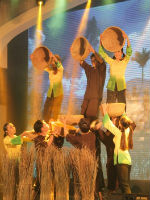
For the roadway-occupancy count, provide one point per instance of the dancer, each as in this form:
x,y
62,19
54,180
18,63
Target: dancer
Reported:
x,y
41,128
123,142
86,138
116,87
107,139
12,142
95,83
54,98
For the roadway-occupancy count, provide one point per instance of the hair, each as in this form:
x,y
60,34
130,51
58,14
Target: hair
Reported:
x,y
93,55
84,125
46,58
5,128
124,124
122,52
37,126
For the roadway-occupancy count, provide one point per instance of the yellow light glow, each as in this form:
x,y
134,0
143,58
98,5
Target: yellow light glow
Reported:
x,y
75,71
40,3
39,26
84,19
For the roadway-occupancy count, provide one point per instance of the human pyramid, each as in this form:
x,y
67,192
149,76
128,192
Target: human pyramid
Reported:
x,y
115,130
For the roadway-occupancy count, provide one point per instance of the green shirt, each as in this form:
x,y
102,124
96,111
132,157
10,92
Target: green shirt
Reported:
x,y
120,156
55,80
117,69
13,146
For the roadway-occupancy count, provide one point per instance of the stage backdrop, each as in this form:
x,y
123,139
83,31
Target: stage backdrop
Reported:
x,y
134,18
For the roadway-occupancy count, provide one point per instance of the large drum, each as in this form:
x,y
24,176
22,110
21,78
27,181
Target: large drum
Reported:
x,y
112,39
80,48
41,57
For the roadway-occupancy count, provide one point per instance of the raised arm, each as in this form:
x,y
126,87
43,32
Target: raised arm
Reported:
x,y
128,49
108,124
97,56
104,55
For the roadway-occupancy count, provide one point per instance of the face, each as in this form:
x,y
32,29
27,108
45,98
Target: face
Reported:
x,y
45,128
93,61
11,130
118,55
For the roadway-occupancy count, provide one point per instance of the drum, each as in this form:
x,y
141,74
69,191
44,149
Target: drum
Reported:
x,y
80,48
41,57
112,39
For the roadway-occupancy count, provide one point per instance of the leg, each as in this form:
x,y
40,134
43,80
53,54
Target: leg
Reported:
x,y
84,107
121,96
47,109
92,109
111,171
123,172
56,107
111,96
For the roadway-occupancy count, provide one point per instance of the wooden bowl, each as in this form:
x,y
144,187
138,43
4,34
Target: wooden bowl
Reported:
x,y
115,109
41,57
80,48
112,39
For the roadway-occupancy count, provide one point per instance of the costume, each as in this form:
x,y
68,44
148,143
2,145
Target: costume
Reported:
x,y
13,146
107,140
90,141
122,158
94,89
53,102
116,85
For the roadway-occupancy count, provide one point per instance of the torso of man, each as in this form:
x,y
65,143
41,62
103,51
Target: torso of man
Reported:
x,y
95,80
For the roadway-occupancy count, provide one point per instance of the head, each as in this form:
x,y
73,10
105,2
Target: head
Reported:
x,y
118,55
9,129
40,126
93,60
124,123
84,125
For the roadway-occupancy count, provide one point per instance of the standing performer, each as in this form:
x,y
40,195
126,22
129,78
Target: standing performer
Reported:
x,y
116,87
123,143
54,98
96,75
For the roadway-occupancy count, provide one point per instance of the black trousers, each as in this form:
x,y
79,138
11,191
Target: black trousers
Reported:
x,y
116,96
123,174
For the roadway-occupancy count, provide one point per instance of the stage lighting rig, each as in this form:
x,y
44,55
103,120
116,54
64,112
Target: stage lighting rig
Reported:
x,y
40,2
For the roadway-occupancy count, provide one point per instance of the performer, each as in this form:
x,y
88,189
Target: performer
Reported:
x,y
107,139
123,142
12,142
86,138
116,87
54,98
95,82
41,128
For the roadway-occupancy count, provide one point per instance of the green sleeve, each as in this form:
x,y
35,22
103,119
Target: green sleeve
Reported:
x,y
107,123
58,64
16,141
104,55
129,51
